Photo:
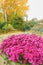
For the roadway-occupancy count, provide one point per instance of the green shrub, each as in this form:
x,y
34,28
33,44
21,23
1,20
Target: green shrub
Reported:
x,y
19,24
2,24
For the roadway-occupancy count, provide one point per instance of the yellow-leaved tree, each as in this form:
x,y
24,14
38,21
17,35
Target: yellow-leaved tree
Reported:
x,y
13,7
1,18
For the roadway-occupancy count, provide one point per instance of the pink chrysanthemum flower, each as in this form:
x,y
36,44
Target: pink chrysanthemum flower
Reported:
x,y
24,48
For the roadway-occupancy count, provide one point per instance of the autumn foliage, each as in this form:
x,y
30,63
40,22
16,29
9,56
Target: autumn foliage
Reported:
x,y
14,7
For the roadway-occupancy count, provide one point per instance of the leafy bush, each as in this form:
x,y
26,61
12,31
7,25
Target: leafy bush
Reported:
x,y
32,23
19,24
2,24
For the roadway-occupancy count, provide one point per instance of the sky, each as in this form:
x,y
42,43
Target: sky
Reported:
x,y
35,9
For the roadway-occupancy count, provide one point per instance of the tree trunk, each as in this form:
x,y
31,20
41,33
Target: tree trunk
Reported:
x,y
6,18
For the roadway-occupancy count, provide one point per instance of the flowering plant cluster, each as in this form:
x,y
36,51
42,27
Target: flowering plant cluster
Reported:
x,y
24,48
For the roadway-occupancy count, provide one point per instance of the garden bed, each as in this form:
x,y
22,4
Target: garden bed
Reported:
x,y
27,37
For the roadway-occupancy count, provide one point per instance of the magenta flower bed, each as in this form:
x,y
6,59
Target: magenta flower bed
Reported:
x,y
24,48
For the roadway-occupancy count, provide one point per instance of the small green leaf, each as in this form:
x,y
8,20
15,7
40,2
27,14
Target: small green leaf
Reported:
x,y
6,58
8,62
